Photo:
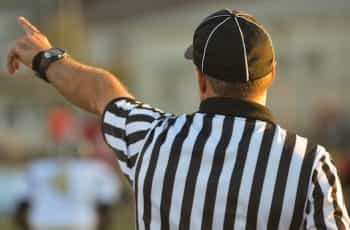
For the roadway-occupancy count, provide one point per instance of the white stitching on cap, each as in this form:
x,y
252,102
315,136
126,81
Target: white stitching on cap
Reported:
x,y
207,42
244,49
252,22
257,25
217,16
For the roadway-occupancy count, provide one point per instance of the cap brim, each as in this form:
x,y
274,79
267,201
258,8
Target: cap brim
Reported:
x,y
189,53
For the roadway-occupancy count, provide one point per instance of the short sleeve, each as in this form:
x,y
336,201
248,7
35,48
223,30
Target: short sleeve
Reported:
x,y
125,125
325,206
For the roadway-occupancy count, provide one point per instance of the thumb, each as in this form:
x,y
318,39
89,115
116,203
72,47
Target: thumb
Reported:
x,y
12,61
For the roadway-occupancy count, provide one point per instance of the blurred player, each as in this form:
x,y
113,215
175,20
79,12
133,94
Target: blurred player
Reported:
x,y
68,194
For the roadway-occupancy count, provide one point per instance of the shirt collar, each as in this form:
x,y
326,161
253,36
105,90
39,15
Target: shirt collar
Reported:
x,y
234,107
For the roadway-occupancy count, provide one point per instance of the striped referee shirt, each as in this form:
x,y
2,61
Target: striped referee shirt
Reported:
x,y
227,166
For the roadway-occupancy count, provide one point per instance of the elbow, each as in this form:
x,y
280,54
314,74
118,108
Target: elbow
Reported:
x,y
108,88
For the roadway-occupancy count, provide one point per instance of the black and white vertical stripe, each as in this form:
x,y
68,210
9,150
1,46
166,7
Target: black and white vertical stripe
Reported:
x,y
326,210
207,171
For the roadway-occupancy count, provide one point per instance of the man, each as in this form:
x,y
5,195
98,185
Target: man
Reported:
x,y
227,166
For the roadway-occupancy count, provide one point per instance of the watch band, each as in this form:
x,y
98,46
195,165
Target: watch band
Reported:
x,y
36,66
44,59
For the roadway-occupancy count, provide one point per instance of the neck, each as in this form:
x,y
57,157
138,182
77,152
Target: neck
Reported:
x,y
261,99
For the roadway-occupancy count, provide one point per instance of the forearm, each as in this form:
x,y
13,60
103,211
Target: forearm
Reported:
x,y
86,87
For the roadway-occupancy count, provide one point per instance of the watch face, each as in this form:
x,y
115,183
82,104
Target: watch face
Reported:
x,y
55,52
47,54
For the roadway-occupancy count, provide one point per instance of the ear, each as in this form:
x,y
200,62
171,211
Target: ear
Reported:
x,y
202,83
273,71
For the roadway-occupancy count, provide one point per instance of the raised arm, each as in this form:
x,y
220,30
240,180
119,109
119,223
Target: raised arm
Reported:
x,y
86,87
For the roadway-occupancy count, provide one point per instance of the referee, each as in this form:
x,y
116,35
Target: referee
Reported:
x,y
227,166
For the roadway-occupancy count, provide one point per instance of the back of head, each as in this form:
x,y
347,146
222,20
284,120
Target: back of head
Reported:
x,y
235,53
241,90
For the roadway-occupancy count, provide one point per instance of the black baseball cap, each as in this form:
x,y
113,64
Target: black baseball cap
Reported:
x,y
232,46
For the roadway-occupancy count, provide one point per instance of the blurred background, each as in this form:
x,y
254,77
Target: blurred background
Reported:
x,y
142,42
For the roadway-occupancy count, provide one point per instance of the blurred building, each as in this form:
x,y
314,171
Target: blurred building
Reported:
x,y
143,42
310,50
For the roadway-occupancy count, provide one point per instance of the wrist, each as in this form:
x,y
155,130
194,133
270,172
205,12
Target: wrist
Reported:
x,y
44,59
55,67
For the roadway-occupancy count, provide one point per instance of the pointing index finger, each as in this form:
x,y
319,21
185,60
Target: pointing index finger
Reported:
x,y
27,26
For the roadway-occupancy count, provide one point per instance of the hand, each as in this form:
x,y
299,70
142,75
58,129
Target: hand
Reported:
x,y
27,46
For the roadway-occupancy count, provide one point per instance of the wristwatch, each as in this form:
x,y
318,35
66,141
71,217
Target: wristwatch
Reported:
x,y
44,59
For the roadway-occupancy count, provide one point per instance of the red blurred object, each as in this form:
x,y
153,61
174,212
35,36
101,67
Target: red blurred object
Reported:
x,y
92,133
343,166
91,129
60,123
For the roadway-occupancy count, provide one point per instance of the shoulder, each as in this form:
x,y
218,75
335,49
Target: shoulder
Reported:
x,y
130,106
303,148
